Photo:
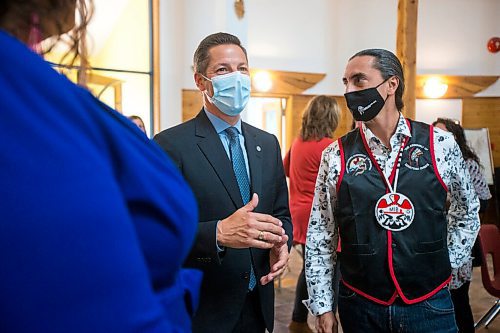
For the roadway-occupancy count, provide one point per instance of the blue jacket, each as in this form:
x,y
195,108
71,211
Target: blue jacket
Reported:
x,y
95,221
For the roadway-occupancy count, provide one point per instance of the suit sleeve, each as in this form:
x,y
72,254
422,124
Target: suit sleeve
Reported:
x,y
281,209
205,249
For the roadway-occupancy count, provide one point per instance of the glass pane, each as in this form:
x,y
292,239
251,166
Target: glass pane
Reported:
x,y
119,35
266,113
128,93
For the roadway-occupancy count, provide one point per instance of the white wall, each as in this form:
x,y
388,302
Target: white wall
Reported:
x,y
172,37
452,37
320,35
428,110
202,19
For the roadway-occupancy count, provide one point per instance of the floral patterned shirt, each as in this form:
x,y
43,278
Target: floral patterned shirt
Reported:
x,y
463,273
478,180
322,236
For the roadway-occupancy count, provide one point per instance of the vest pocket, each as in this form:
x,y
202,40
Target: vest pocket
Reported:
x,y
427,247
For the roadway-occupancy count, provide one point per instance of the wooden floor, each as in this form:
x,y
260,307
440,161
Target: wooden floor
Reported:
x,y
481,301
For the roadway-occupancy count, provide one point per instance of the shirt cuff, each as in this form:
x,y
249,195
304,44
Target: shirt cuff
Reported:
x,y
317,309
219,248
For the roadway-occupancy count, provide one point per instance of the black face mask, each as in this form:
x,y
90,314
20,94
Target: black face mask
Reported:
x,y
365,104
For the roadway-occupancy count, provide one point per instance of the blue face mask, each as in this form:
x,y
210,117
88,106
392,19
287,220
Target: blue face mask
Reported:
x,y
231,92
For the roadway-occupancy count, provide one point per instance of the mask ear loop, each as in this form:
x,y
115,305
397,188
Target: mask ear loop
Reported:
x,y
206,78
205,92
383,83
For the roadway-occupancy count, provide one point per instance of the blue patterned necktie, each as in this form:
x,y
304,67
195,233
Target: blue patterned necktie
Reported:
x,y
240,171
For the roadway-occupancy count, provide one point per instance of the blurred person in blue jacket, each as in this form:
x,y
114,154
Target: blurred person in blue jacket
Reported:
x,y
87,243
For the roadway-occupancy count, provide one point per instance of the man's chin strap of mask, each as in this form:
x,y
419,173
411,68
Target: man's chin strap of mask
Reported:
x,y
365,104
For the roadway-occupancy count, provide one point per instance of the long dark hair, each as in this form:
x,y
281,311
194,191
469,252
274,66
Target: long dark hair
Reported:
x,y
458,132
388,65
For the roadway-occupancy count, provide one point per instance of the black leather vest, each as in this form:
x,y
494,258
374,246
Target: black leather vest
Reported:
x,y
380,264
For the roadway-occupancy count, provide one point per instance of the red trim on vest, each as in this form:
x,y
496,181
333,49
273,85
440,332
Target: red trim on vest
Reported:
x,y
433,157
398,291
393,172
374,161
371,298
339,181
342,166
372,158
395,281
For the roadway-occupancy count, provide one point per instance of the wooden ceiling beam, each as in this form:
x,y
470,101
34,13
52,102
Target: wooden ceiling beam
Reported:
x,y
406,51
459,86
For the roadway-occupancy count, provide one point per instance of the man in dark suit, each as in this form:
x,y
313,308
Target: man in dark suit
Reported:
x,y
236,173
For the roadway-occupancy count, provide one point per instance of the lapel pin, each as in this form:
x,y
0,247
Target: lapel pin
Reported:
x,y
258,148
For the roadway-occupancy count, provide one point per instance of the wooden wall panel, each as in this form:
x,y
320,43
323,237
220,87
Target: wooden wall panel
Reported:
x,y
192,103
295,108
346,120
484,112
293,115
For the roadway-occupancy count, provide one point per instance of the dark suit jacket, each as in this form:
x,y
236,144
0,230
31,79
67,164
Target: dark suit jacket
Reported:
x,y
198,152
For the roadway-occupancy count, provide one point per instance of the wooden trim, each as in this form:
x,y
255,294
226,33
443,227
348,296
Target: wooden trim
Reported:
x,y
458,86
155,15
288,83
406,51
106,82
118,98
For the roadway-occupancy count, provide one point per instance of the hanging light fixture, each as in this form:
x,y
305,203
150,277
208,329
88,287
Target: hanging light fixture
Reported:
x,y
262,81
434,87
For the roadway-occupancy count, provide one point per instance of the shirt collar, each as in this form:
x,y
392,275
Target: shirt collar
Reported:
x,y
402,129
219,124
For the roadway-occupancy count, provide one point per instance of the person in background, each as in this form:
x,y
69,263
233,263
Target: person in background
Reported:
x,y
462,276
236,172
138,121
382,189
319,121
87,243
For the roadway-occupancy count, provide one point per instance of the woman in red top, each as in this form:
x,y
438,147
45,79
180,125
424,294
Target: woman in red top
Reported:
x,y
319,121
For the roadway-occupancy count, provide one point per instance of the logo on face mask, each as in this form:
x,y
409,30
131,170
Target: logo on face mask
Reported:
x,y
362,109
363,103
231,92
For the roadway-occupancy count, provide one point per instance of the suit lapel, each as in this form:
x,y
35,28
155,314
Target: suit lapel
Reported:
x,y
254,154
211,146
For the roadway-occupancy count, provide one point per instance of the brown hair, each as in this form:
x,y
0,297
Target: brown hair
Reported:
x,y
201,57
320,119
20,13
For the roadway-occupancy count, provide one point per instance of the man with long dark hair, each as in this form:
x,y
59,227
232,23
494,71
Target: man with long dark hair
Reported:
x,y
382,188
